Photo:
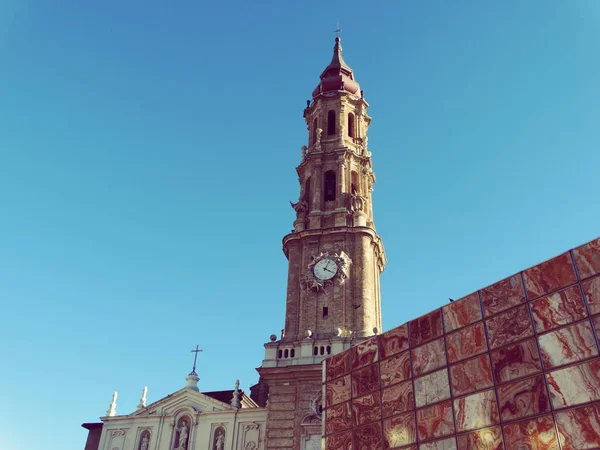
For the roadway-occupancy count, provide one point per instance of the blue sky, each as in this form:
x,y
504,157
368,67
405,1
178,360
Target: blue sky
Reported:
x,y
147,156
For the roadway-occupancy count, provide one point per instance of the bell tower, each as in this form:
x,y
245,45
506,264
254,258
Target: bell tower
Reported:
x,y
335,258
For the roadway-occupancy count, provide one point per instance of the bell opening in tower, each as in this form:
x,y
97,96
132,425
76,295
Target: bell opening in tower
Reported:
x,y
329,186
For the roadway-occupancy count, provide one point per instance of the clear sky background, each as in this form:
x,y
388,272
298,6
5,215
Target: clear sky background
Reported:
x,y
148,154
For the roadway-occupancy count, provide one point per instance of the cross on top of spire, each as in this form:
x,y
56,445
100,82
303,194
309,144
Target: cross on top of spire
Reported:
x,y
195,352
337,30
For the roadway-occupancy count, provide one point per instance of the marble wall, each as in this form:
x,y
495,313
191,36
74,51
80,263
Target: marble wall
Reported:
x,y
513,366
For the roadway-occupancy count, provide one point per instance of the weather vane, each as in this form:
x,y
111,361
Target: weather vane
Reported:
x,y
337,30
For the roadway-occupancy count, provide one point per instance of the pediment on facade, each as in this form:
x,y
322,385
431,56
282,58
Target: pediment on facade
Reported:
x,y
183,399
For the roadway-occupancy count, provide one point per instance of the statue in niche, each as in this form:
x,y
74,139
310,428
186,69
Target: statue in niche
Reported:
x,y
219,439
181,438
144,443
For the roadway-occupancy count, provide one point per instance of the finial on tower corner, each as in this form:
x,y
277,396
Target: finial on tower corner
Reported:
x,y
142,403
112,409
235,401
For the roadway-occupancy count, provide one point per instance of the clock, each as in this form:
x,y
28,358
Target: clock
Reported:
x,y
325,269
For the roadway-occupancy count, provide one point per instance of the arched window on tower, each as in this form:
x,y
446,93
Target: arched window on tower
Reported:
x,y
329,186
307,193
351,125
314,132
331,126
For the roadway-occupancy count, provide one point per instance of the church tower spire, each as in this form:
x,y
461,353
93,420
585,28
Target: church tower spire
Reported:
x,y
335,258
335,255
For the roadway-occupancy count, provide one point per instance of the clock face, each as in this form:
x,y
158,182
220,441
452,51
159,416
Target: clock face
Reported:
x,y
325,269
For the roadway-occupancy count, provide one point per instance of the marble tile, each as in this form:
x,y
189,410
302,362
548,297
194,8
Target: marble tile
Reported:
x,y
502,295
442,444
337,365
596,321
435,421
579,428
560,308
575,384
340,441
466,342
475,411
425,328
568,344
462,312
516,361
399,431
428,357
365,353
368,437
471,375
366,409
587,258
510,326
487,439
395,369
534,434
591,290
431,388
338,418
397,399
549,276
337,391
365,380
394,341
523,398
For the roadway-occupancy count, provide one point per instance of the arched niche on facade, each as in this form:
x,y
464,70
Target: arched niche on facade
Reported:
x,y
144,440
182,430
218,441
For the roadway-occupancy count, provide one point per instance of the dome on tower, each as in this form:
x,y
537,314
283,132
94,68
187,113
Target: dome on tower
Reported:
x,y
337,76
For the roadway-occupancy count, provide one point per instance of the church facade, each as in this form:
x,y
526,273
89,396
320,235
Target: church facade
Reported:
x,y
335,258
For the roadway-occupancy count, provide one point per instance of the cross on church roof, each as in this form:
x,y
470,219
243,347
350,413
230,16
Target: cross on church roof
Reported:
x,y
195,352
337,30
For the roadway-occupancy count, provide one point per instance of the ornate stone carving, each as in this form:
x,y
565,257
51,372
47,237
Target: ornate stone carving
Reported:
x,y
304,150
316,284
116,433
357,203
301,208
316,404
318,140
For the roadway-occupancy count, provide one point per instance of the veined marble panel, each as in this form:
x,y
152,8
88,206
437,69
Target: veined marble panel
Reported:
x,y
365,380
560,308
523,398
587,258
591,290
428,357
399,431
397,399
431,388
368,437
471,375
394,341
337,391
516,361
549,276
337,365
425,328
466,342
486,439
338,418
435,421
502,295
579,428
575,384
462,312
568,344
365,353
510,326
442,444
366,408
395,369
534,434
476,411
340,441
